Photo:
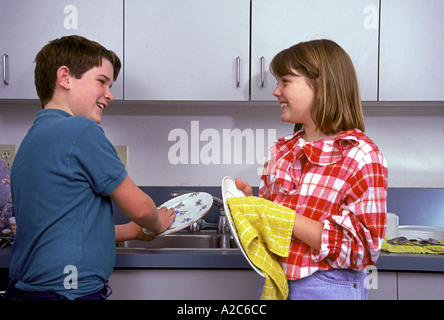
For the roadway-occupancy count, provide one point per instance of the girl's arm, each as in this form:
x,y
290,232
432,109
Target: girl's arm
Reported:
x,y
305,229
308,231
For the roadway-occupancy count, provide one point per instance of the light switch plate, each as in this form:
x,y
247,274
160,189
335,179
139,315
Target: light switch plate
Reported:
x,y
122,152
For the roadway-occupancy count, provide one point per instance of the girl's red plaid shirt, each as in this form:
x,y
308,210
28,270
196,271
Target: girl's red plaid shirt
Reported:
x,y
340,182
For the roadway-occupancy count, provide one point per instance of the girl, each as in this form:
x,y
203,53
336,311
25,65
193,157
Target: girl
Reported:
x,y
328,171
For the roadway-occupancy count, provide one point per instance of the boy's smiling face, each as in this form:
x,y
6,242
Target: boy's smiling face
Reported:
x,y
91,93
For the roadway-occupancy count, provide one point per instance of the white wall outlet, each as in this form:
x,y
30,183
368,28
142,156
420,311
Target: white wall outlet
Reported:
x,y
7,154
122,152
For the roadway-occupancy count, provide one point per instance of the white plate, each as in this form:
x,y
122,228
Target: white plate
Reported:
x,y
230,190
424,232
189,208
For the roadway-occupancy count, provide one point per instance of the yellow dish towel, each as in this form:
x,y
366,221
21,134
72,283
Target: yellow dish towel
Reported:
x,y
403,245
265,229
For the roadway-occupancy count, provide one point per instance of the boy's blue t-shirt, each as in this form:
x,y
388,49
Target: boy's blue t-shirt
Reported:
x,y
61,179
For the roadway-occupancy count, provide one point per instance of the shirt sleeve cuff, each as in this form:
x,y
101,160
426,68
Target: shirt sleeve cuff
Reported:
x,y
326,251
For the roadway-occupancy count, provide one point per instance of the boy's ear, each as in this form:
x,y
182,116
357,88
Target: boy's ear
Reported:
x,y
64,77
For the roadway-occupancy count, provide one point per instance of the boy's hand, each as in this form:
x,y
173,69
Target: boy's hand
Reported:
x,y
131,231
166,217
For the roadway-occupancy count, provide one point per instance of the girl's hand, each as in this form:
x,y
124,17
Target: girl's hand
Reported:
x,y
244,187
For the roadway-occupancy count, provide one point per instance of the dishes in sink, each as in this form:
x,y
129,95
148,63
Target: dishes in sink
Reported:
x,y
189,208
230,190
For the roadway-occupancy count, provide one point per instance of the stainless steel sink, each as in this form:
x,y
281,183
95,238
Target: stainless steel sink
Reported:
x,y
182,240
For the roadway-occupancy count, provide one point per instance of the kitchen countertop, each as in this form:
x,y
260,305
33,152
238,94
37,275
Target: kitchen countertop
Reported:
x,y
233,259
410,262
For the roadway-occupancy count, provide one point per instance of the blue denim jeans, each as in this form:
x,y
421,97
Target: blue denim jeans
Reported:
x,y
12,293
335,284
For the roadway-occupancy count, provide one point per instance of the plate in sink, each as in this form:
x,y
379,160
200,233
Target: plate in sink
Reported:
x,y
230,190
189,208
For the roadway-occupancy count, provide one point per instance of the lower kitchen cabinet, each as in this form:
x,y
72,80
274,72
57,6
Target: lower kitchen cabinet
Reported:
x,y
403,285
385,288
420,286
200,284
184,284
241,284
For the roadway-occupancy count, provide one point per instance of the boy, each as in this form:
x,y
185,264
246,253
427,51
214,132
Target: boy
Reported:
x,y
63,179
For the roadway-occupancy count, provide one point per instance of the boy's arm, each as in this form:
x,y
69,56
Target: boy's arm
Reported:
x,y
140,208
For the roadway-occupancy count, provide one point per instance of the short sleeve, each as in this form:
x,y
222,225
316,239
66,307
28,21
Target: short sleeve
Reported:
x,y
96,160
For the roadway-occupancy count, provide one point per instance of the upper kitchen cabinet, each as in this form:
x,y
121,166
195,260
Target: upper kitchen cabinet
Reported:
x,y
279,24
412,46
187,50
27,25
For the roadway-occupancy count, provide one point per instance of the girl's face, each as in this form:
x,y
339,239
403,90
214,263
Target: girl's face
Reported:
x,y
296,98
92,92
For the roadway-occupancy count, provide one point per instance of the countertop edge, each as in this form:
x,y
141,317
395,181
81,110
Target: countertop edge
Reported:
x,y
233,259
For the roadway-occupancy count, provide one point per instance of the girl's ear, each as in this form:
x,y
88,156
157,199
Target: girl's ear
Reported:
x,y
64,77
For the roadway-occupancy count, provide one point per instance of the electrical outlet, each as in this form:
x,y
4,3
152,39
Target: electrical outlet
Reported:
x,y
122,152
7,154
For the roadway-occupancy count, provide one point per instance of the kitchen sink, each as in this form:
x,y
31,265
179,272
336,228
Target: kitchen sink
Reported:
x,y
183,240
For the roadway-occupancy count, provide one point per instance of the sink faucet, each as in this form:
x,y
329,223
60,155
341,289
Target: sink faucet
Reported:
x,y
222,226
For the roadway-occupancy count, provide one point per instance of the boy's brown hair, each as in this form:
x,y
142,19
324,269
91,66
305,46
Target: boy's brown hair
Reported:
x,y
75,52
331,74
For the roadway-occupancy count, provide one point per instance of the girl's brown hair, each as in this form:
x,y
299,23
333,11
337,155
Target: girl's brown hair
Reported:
x,y
75,52
331,74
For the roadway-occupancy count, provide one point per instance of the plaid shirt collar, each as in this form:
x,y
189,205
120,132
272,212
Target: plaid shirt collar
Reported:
x,y
291,149
321,152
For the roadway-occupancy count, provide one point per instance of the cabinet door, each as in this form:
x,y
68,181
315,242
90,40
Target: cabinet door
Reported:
x,y
420,286
412,46
279,24
27,25
187,50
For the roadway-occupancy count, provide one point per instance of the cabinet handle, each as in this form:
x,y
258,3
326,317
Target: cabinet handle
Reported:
x,y
262,71
238,72
5,77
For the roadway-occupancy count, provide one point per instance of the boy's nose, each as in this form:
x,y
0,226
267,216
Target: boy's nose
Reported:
x,y
108,95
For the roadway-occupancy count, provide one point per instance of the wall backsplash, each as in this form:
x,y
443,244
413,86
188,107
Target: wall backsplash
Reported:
x,y
181,144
